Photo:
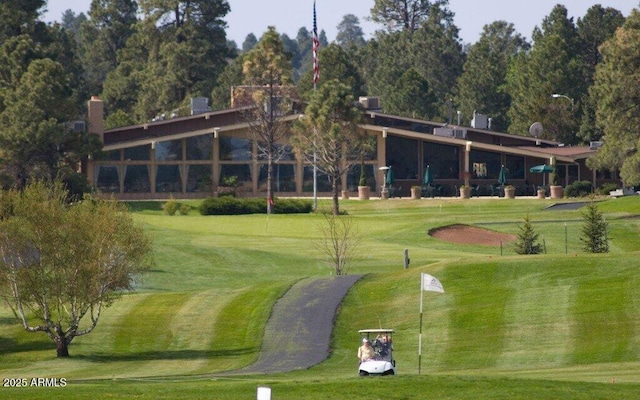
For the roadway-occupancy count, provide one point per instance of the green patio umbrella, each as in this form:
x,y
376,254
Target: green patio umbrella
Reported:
x,y
502,176
428,179
390,178
541,169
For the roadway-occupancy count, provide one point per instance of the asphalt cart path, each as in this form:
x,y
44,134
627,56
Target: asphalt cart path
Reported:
x,y
299,329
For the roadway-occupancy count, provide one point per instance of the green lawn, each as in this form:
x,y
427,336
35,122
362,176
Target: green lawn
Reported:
x,y
558,325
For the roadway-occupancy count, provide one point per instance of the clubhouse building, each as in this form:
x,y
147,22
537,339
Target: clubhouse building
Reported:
x,y
190,157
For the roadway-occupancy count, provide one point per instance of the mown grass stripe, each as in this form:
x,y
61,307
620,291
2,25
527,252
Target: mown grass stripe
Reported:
x,y
538,322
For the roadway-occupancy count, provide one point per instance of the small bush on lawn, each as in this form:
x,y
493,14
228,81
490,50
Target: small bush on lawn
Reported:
x,y
292,206
237,206
170,207
578,189
606,188
184,209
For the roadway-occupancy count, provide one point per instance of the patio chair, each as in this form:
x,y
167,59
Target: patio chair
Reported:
x,y
475,190
393,191
493,190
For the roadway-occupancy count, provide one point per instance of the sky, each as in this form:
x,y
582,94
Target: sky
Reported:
x,y
288,16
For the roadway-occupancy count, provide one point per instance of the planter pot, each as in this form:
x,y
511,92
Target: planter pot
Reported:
x,y
542,194
465,192
556,192
416,193
510,192
345,195
363,192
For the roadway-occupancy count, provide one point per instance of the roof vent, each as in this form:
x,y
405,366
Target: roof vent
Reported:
x,y
370,103
199,105
479,121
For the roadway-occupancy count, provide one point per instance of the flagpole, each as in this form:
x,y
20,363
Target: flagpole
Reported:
x,y
420,334
315,46
431,284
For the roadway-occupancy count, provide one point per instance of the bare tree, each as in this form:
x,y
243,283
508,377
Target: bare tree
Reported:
x,y
267,70
329,134
61,263
339,242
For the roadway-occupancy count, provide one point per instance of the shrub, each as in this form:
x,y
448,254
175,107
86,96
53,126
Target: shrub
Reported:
x,y
578,189
606,188
170,207
363,175
184,209
293,206
594,230
236,206
527,242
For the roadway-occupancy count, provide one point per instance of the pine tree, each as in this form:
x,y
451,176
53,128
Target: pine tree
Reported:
x,y
594,230
527,242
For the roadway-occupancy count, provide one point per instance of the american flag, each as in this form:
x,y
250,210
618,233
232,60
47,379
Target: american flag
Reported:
x,y
316,45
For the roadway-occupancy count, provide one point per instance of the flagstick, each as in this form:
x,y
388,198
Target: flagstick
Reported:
x,y
434,285
316,45
420,335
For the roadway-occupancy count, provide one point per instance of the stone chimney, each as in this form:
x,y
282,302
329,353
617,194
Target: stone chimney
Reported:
x,y
96,116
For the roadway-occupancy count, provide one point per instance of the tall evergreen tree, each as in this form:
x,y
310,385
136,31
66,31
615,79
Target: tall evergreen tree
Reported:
x,y
349,32
104,34
436,53
554,66
33,137
19,17
249,43
406,15
597,26
618,111
267,71
481,87
329,133
412,97
176,52
336,63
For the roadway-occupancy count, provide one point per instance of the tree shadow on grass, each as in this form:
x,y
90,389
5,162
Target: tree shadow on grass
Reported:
x,y
166,355
10,346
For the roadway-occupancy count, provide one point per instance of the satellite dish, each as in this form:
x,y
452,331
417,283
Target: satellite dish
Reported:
x,y
535,129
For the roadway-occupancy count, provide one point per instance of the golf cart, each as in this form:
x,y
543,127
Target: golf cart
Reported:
x,y
381,362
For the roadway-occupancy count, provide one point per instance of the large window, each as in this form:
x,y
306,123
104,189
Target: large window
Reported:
x,y
323,183
241,171
199,178
169,150
443,160
486,165
235,148
138,153
107,178
402,155
168,179
284,178
353,177
200,148
280,151
515,164
136,179
113,155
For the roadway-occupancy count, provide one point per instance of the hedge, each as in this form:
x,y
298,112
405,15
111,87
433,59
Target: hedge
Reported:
x,y
236,206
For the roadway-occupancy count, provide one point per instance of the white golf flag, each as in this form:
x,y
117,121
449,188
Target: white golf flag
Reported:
x,y
431,284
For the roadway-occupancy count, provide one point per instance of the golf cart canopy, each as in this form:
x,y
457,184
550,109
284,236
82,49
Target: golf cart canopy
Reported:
x,y
375,331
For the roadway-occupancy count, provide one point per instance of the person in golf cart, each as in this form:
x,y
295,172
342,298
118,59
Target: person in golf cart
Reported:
x,y
366,351
382,347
